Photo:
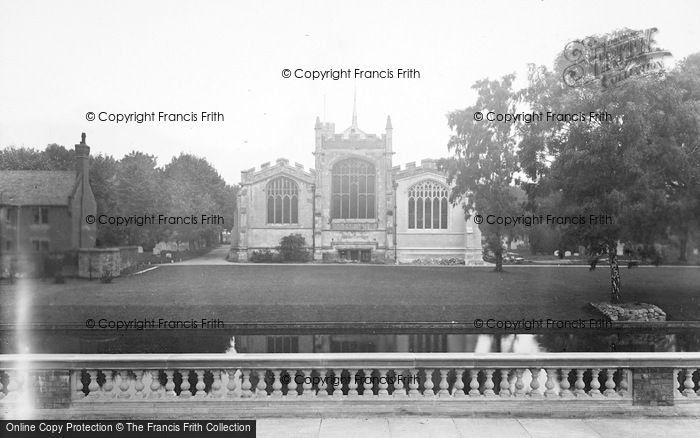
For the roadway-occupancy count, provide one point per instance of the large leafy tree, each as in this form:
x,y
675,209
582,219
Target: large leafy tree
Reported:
x,y
484,161
624,167
53,157
679,122
196,188
103,180
138,190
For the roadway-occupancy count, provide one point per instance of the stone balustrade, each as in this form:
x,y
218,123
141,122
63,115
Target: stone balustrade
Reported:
x,y
126,383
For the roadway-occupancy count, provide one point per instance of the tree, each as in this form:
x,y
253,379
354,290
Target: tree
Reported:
x,y
293,248
682,143
103,179
485,160
625,167
53,157
138,187
196,188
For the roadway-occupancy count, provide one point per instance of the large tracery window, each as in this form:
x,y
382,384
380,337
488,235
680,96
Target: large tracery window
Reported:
x,y
282,201
427,206
353,190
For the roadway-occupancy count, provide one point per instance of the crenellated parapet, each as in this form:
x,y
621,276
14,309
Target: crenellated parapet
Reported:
x,y
280,167
427,165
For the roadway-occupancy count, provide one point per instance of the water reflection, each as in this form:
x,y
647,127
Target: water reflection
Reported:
x,y
79,341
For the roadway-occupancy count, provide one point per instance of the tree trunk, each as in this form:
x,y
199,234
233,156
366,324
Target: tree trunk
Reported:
x,y
499,261
616,293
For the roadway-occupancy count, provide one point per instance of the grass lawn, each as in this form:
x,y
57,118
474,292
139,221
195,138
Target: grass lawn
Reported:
x,y
254,293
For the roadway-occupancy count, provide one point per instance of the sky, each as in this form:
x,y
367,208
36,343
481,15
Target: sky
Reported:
x,y
60,60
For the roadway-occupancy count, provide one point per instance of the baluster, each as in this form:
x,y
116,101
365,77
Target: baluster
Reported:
x,y
338,383
200,386
413,384
292,383
246,385
428,384
399,387
138,385
564,383
383,385
77,385
217,386
169,384
322,384
610,383
535,391
488,384
504,386
624,382
579,385
443,385
689,384
595,384
232,384
93,387
474,383
519,384
458,388
155,387
352,383
124,384
276,384
307,389
108,386
368,384
185,384
261,387
549,385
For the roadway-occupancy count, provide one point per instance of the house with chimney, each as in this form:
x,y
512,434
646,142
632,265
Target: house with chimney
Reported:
x,y
43,213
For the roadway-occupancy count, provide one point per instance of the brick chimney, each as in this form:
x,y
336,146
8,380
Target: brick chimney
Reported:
x,y
82,158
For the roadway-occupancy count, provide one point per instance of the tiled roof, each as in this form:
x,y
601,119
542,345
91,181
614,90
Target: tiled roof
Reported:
x,y
36,187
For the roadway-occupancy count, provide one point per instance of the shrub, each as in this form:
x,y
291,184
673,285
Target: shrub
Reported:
x,y
106,276
264,256
293,248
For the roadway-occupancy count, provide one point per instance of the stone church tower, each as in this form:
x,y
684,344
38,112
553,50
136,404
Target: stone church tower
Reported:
x,y
354,192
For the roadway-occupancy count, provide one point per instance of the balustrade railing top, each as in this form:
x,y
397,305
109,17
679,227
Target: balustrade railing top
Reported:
x,y
332,360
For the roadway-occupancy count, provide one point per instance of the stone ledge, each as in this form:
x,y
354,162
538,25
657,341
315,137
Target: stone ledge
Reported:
x,y
328,407
630,311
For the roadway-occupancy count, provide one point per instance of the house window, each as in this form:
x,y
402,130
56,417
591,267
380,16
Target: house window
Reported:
x,y
40,245
41,215
8,245
282,201
353,190
427,206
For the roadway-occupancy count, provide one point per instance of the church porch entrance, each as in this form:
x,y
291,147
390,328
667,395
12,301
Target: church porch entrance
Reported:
x,y
355,255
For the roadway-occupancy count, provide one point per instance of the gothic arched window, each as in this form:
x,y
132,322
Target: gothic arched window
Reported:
x,y
282,201
427,206
353,190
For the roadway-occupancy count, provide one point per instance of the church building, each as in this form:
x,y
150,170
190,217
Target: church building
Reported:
x,y
354,206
